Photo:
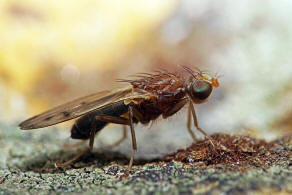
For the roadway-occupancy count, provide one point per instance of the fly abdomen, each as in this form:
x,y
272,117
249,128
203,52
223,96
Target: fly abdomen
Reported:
x,y
82,127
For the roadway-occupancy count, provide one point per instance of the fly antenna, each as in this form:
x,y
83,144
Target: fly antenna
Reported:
x,y
217,75
191,71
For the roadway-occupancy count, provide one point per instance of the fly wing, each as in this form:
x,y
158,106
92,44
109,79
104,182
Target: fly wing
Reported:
x,y
79,107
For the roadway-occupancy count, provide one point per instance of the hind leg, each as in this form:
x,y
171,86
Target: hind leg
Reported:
x,y
89,148
69,146
109,119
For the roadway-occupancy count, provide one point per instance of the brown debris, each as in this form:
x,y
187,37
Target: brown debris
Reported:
x,y
235,152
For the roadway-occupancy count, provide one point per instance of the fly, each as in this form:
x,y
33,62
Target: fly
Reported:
x,y
143,100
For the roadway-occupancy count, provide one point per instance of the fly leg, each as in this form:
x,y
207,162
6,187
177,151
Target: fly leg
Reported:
x,y
189,125
124,136
69,146
119,120
110,119
89,148
193,112
134,143
175,109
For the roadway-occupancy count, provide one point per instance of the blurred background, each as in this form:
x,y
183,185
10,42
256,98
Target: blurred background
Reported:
x,y
54,51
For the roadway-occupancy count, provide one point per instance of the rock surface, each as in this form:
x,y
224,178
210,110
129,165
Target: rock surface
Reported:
x,y
240,164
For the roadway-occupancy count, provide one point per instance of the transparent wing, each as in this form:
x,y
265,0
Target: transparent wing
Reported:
x,y
79,107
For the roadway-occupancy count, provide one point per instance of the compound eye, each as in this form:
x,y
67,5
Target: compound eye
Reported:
x,y
201,90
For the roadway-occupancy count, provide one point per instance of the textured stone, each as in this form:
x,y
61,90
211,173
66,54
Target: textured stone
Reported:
x,y
240,164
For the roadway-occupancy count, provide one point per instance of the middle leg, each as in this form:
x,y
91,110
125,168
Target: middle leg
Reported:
x,y
134,143
124,136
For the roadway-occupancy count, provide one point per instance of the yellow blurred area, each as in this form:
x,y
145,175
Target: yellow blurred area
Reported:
x,y
54,51
40,37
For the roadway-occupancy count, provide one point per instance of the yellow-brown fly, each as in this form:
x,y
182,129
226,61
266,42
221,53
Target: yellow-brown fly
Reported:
x,y
145,99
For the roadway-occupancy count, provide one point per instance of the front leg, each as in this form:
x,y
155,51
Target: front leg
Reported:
x,y
193,112
175,108
189,125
